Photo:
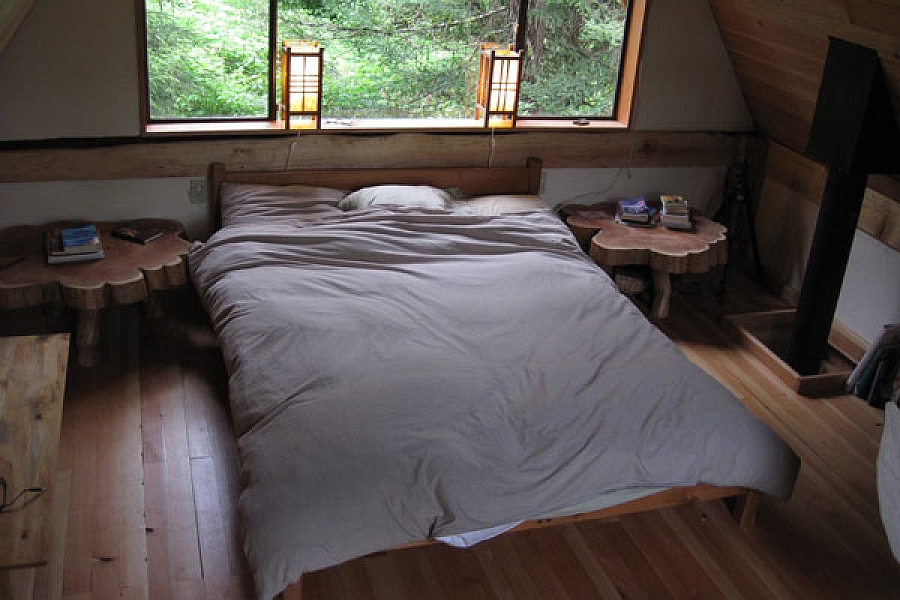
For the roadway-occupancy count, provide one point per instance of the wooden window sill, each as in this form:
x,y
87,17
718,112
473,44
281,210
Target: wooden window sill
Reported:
x,y
329,126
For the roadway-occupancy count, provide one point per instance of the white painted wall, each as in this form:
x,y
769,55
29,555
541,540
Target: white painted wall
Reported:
x,y
703,186
71,71
686,80
115,200
870,297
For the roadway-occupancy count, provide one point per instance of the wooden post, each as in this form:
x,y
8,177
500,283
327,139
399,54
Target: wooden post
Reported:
x,y
854,133
835,228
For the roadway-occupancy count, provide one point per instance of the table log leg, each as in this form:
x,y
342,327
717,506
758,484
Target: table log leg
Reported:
x,y
662,293
152,307
5,586
87,337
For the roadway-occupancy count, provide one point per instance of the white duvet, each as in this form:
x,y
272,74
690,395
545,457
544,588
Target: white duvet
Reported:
x,y
400,374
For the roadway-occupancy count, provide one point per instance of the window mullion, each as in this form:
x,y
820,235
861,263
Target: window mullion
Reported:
x,y
273,45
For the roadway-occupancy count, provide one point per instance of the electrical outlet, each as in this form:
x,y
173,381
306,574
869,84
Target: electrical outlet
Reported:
x,y
197,191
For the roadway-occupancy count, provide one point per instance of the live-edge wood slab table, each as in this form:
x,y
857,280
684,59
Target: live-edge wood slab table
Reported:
x,y
32,385
666,251
129,273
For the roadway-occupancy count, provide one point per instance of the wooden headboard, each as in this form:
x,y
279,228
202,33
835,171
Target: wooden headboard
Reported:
x,y
471,181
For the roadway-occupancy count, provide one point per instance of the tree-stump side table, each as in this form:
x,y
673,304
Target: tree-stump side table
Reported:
x,y
667,252
130,272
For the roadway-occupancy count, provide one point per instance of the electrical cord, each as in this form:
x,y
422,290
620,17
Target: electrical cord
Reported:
x,y
7,505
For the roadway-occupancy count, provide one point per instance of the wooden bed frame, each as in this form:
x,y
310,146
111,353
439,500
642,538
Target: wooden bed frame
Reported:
x,y
743,503
477,181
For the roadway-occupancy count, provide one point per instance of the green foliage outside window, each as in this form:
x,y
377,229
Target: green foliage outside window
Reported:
x,y
383,59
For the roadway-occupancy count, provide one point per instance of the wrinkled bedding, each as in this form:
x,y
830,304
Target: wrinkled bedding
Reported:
x,y
401,374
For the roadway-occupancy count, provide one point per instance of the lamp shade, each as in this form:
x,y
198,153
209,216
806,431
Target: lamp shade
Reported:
x,y
497,94
301,84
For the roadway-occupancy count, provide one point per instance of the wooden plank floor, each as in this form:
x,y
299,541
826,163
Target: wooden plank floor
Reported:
x,y
148,481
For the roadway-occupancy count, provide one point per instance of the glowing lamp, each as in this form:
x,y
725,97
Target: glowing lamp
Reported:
x,y
301,84
497,96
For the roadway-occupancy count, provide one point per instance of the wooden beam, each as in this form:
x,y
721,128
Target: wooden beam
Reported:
x,y
854,132
140,159
12,13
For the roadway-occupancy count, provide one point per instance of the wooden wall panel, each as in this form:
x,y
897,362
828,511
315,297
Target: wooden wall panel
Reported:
x,y
880,218
778,48
877,15
796,172
803,178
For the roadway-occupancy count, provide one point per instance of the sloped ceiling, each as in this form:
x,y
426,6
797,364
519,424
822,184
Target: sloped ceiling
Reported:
x,y
778,49
12,13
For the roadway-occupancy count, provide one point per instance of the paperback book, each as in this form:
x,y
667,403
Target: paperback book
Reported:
x,y
635,211
138,235
78,240
73,245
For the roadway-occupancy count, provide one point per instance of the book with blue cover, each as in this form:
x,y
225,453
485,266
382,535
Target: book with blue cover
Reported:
x,y
91,249
635,211
633,206
79,236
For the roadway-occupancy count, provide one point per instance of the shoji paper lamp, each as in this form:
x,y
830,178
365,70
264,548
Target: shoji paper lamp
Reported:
x,y
497,96
301,84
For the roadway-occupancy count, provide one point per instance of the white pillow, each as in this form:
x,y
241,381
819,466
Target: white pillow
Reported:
x,y
411,196
499,205
888,476
243,203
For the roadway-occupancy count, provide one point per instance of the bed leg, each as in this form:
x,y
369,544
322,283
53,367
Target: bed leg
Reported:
x,y
293,591
744,509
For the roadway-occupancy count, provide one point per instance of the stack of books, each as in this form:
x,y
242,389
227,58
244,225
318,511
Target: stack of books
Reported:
x,y
675,212
73,244
635,211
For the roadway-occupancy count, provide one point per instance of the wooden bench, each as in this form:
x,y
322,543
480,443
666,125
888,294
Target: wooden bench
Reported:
x,y
32,384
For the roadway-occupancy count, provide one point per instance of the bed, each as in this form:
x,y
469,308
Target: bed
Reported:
x,y
427,354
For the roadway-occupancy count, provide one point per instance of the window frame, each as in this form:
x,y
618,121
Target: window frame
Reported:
x,y
271,125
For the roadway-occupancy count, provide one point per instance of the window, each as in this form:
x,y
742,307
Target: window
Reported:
x,y
208,59
217,60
